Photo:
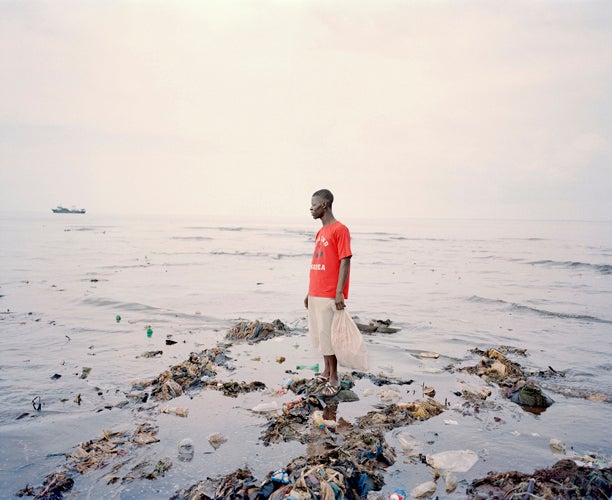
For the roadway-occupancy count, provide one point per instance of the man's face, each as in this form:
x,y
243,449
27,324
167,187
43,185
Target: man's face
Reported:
x,y
317,207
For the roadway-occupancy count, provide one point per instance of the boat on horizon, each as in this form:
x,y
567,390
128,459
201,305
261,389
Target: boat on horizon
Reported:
x,y
64,210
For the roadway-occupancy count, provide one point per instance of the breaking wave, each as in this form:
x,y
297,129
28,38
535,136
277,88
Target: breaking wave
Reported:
x,y
192,238
513,306
600,268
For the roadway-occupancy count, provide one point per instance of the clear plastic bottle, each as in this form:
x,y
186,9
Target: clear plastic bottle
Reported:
x,y
317,419
185,450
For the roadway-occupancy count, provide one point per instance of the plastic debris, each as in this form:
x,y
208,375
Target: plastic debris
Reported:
x,y
424,490
179,412
256,331
150,354
314,368
378,326
450,481
186,450
280,476
216,439
557,446
453,460
430,392
429,355
565,479
495,367
266,407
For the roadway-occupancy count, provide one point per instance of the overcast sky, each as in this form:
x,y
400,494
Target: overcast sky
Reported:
x,y
401,108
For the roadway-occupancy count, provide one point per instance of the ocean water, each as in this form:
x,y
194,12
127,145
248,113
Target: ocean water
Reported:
x,y
449,285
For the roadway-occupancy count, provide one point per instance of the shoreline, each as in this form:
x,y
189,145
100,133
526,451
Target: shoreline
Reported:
x,y
260,361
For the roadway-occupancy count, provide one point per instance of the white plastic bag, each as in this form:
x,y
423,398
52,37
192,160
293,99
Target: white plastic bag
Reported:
x,y
347,342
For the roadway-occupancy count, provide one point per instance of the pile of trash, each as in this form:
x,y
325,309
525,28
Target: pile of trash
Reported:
x,y
173,382
377,326
256,331
345,460
95,454
232,389
302,478
565,479
401,414
53,486
497,368
380,380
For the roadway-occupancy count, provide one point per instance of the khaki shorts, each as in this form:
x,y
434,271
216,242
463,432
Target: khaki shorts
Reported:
x,y
320,315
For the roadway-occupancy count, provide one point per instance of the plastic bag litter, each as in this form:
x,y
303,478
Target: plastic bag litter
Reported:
x,y
216,439
347,342
266,407
424,490
450,481
409,443
453,460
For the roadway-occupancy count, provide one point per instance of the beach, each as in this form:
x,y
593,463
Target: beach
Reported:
x,y
80,293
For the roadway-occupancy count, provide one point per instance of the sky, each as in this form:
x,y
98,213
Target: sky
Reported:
x,y
407,108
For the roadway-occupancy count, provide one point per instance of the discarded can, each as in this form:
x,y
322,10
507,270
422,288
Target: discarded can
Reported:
x,y
314,367
149,332
185,450
398,495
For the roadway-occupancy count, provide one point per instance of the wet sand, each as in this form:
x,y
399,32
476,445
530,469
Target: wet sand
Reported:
x,y
226,434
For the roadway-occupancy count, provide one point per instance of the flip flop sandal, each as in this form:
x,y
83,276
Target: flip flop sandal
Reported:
x,y
329,391
315,383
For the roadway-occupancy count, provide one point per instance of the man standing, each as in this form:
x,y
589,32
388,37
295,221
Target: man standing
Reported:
x,y
328,285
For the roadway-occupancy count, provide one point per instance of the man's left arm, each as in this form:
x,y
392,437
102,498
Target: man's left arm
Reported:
x,y
345,265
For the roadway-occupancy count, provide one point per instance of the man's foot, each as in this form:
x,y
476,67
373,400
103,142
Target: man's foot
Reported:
x,y
329,391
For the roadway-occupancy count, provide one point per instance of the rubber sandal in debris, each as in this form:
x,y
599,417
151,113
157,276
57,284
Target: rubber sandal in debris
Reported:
x,y
314,385
329,391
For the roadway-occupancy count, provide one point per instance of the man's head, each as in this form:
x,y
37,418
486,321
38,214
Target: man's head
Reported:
x,y
325,194
321,203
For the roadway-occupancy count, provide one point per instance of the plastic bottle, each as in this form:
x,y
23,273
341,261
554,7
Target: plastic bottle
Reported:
x,y
266,407
117,318
398,495
149,332
186,449
314,367
317,419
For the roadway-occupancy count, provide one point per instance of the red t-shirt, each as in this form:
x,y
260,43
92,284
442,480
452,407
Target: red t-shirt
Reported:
x,y
332,244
